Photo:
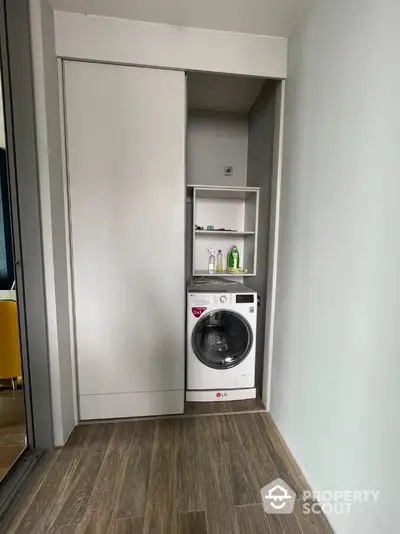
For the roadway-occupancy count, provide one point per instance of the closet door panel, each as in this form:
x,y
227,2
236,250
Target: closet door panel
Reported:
x,y
125,131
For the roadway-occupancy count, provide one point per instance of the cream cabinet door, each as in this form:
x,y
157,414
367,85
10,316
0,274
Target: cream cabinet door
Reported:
x,y
125,137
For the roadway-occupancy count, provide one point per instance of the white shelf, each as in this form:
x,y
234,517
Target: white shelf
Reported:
x,y
223,187
223,232
225,207
227,193
224,273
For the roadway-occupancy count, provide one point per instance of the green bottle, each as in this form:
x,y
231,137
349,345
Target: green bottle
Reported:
x,y
233,258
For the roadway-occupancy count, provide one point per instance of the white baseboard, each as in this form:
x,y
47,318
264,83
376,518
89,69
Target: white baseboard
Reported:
x,y
220,395
116,405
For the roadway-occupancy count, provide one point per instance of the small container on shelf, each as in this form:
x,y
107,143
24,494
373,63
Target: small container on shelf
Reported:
x,y
219,261
211,261
233,261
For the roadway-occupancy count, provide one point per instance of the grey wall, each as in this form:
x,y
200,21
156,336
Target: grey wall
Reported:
x,y
336,365
216,139
259,173
55,235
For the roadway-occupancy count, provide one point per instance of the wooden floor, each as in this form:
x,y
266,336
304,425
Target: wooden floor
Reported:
x,y
12,428
193,475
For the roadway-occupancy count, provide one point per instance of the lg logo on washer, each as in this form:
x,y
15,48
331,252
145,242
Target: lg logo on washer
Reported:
x,y
197,312
219,395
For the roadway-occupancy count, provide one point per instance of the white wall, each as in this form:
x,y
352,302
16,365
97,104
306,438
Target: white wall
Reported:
x,y
55,242
216,139
336,363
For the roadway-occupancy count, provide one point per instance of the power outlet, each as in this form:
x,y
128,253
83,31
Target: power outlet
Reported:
x,y
228,170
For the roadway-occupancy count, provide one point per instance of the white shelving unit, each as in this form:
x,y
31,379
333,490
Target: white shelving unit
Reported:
x,y
235,211
223,232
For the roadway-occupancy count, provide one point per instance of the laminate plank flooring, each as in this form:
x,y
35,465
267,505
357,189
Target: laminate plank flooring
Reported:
x,y
100,511
74,506
256,462
192,523
160,517
252,520
190,475
63,529
190,484
220,511
286,524
50,498
241,469
285,466
132,501
128,525
34,484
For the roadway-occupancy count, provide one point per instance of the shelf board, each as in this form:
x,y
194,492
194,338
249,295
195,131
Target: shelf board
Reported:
x,y
223,232
206,273
218,192
223,187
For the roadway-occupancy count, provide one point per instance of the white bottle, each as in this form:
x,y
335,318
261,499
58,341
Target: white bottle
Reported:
x,y
219,261
211,261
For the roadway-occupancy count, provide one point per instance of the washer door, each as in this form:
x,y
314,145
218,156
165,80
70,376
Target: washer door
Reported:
x,y
222,339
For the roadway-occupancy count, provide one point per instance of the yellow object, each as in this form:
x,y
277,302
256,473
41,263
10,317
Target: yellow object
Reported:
x,y
236,270
10,355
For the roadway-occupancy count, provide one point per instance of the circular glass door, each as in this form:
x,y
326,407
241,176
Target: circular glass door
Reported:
x,y
222,339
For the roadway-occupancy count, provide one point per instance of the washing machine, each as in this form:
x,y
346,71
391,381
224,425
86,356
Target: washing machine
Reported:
x,y
221,341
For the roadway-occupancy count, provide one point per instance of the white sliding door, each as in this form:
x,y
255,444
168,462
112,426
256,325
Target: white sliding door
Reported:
x,y
125,144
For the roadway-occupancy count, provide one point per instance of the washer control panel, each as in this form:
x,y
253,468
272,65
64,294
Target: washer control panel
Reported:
x,y
244,299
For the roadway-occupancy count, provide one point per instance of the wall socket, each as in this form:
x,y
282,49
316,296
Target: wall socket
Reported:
x,y
228,170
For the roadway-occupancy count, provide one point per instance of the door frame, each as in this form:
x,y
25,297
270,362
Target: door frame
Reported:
x,y
17,84
19,119
273,245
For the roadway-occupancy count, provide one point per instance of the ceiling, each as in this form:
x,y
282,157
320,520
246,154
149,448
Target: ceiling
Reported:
x,y
262,17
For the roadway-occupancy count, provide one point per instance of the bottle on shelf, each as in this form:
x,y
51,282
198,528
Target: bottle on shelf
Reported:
x,y
211,261
233,260
219,261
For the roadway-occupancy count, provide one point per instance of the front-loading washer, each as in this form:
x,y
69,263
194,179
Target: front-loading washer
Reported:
x,y
221,341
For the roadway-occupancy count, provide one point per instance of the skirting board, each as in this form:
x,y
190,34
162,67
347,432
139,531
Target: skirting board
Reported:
x,y
222,395
116,405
